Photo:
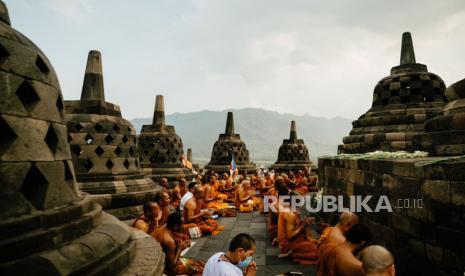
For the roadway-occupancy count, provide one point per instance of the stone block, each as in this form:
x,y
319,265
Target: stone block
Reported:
x,y
439,190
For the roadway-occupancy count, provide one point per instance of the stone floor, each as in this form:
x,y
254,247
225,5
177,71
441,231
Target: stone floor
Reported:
x,y
265,255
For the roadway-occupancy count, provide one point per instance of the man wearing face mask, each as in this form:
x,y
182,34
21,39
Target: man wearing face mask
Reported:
x,y
236,262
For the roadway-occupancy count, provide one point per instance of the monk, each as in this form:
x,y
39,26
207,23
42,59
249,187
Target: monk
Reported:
x,y
182,187
245,198
227,187
172,247
149,220
266,185
273,213
194,216
377,261
173,193
337,259
336,234
163,200
213,199
293,238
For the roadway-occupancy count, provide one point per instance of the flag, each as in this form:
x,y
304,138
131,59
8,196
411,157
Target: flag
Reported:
x,y
232,167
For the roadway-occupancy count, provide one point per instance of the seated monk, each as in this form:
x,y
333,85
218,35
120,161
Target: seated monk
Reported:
x,y
266,186
172,247
337,259
227,187
163,200
336,234
213,199
377,261
149,220
246,199
194,216
173,193
182,187
293,238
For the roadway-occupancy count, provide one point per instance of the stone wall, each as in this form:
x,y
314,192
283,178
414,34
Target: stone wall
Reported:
x,y
425,241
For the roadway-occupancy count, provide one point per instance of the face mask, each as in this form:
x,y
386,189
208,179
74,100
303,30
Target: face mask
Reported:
x,y
245,263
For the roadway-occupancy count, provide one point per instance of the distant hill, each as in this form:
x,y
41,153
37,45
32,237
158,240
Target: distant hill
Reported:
x,y
261,130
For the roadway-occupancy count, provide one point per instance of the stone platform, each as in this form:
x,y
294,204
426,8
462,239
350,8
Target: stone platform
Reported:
x,y
424,241
265,256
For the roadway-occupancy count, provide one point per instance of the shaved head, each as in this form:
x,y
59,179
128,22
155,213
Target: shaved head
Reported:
x,y
347,219
377,260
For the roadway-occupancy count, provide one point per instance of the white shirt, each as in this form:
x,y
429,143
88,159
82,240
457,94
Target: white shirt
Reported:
x,y
184,199
217,267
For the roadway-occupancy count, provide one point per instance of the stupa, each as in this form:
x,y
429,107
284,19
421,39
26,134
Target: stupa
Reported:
x,y
293,154
445,134
228,146
47,227
161,149
402,103
104,148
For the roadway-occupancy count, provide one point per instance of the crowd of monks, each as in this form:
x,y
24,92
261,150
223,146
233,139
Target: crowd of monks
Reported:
x,y
189,210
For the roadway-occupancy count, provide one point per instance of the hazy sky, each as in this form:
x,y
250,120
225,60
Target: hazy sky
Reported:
x,y
317,57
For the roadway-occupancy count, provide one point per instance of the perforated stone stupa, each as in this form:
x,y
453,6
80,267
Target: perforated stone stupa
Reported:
x,y
445,134
293,154
46,226
104,148
161,148
402,103
229,144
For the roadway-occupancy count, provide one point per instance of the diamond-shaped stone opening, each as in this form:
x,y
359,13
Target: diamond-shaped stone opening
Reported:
x,y
125,139
173,160
89,139
152,159
116,128
129,129
76,150
137,163
109,164
27,95
109,139
3,53
135,140
35,187
131,151
126,164
118,151
98,127
51,139
78,127
99,151
88,165
70,138
68,172
59,103
7,136
40,63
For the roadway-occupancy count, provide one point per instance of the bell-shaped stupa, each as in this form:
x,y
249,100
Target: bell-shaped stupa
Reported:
x,y
47,227
161,149
104,148
402,103
229,146
293,154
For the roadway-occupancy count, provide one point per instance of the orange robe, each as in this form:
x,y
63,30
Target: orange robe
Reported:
x,y
184,266
206,226
304,251
216,204
249,205
328,260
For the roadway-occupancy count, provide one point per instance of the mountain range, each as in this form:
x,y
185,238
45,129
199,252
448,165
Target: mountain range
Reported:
x,y
261,130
